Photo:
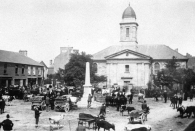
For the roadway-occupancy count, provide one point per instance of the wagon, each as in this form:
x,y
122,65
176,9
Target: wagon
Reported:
x,y
137,116
38,101
87,118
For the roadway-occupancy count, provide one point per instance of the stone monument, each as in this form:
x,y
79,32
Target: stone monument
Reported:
x,y
87,87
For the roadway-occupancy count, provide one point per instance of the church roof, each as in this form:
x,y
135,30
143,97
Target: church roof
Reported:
x,y
157,52
129,13
14,57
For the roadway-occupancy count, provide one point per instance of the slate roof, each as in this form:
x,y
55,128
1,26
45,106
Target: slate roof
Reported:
x,y
157,52
14,57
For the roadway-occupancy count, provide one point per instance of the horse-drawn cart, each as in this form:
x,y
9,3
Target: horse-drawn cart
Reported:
x,y
65,103
38,101
87,118
137,116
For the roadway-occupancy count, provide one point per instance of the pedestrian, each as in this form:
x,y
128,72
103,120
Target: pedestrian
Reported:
x,y
37,115
165,95
7,124
89,100
47,102
80,127
131,98
191,96
2,106
103,110
51,100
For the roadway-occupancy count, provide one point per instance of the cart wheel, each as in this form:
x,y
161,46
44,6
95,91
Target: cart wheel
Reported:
x,y
142,118
67,108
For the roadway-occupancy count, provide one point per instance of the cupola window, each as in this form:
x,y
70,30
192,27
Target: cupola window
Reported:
x,y
127,32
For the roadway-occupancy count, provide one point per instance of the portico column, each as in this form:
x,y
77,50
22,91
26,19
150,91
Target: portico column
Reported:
x,y
13,81
6,83
26,81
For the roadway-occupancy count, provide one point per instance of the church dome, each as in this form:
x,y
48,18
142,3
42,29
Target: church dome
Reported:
x,y
129,13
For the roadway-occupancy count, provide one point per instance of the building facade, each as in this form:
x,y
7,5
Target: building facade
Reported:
x,y
130,63
18,69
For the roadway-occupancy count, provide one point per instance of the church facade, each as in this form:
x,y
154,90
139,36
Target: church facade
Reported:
x,y
129,63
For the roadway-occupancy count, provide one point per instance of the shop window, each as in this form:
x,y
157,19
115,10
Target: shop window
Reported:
x,y
126,68
156,68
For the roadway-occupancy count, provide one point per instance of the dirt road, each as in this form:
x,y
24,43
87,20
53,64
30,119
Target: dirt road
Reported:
x,y
161,117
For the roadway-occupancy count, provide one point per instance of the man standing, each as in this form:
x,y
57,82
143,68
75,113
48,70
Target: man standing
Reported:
x,y
7,124
103,110
89,100
37,114
165,95
47,102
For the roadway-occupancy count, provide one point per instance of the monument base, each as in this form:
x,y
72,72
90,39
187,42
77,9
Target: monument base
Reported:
x,y
83,103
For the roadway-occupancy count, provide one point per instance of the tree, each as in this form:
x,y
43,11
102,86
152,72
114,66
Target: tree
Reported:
x,y
172,73
74,73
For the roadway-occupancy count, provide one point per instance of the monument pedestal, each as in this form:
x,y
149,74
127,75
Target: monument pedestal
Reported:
x,y
84,100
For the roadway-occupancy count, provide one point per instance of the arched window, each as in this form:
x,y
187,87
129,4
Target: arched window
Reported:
x,y
95,67
156,68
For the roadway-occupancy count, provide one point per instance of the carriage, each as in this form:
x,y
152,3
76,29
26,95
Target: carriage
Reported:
x,y
38,101
137,116
65,103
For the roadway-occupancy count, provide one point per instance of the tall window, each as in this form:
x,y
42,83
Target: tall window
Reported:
x,y
29,70
126,68
39,71
5,68
16,69
156,68
34,71
127,32
95,67
23,69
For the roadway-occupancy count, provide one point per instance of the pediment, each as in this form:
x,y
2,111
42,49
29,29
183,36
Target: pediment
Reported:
x,y
127,54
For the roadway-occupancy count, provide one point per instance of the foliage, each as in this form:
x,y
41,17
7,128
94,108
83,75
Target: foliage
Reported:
x,y
172,74
74,73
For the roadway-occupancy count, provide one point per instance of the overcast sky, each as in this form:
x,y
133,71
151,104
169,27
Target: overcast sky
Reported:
x,y
43,26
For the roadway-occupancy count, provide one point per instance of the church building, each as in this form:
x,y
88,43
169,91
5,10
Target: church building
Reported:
x,y
130,63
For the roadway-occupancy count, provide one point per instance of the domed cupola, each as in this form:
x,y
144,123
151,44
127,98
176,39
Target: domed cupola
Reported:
x,y
128,28
129,13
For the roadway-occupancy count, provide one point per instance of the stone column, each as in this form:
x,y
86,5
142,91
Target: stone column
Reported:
x,y
26,81
87,86
13,81
21,82
6,83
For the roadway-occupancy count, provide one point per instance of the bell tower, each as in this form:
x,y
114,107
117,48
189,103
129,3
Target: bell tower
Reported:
x,y
128,28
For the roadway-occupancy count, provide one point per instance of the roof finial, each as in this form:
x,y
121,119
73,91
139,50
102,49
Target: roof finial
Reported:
x,y
129,3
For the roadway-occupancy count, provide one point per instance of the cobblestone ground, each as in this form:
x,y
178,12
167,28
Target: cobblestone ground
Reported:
x,y
161,117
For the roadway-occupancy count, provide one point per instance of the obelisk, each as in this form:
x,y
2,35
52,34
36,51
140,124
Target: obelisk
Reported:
x,y
87,87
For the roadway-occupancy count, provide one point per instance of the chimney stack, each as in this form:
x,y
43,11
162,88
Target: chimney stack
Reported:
x,y
176,49
23,52
51,62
